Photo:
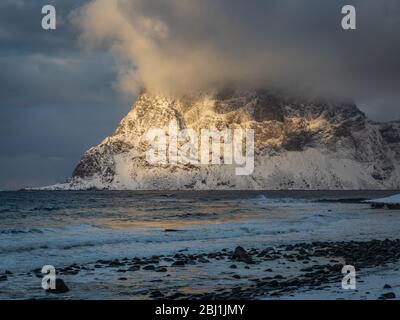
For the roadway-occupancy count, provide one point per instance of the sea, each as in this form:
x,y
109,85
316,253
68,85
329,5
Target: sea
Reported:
x,y
60,228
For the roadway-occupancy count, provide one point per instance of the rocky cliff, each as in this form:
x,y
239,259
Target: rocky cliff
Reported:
x,y
300,143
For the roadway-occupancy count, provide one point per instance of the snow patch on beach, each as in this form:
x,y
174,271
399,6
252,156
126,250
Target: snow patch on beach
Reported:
x,y
395,199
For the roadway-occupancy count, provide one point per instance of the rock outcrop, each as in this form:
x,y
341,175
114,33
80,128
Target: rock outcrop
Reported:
x,y
299,144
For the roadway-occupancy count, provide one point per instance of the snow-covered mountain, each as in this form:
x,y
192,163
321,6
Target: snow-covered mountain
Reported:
x,y
300,143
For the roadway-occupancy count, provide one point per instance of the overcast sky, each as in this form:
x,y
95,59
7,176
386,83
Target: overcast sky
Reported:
x,y
56,100
63,91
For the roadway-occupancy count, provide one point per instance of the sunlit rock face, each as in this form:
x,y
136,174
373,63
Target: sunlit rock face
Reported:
x,y
300,143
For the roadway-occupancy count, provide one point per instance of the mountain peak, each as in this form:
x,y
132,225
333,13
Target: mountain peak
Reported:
x,y
300,143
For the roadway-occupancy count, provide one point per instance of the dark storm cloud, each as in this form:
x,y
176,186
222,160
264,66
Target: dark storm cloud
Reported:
x,y
40,79
283,42
40,145
20,26
39,67
56,100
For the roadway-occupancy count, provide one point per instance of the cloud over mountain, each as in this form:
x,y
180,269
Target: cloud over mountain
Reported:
x,y
175,45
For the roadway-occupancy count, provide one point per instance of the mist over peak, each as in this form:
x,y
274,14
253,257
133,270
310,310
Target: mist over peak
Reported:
x,y
184,46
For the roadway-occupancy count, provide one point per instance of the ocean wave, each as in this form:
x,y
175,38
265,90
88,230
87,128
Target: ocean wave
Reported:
x,y
47,208
21,231
85,236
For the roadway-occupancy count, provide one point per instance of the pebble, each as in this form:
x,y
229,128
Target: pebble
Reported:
x,y
149,267
178,263
387,296
61,287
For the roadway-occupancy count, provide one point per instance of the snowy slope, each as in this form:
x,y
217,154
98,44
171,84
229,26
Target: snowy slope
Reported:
x,y
395,199
300,144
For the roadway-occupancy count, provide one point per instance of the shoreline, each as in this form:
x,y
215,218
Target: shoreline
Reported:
x,y
244,274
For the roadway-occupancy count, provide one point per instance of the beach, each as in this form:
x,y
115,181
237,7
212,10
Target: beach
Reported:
x,y
203,245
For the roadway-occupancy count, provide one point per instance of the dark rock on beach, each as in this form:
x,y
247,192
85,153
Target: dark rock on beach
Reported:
x,y
61,287
156,295
387,296
149,267
240,254
134,268
178,263
265,278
